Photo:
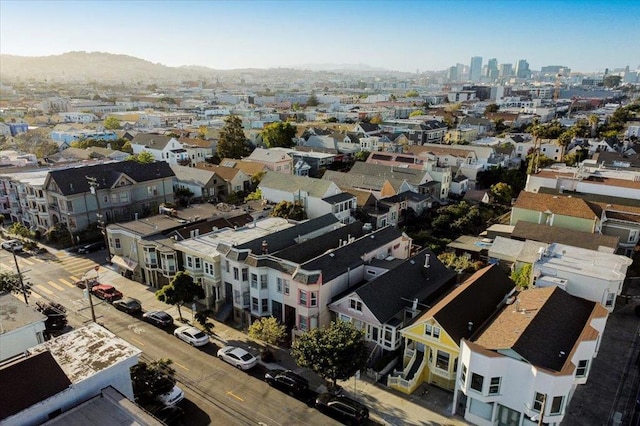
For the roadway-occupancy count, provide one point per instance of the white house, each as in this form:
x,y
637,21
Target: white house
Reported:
x,y
590,274
506,375
22,326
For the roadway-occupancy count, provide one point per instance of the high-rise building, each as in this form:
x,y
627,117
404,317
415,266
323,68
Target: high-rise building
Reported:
x,y
475,68
453,73
492,69
522,69
506,70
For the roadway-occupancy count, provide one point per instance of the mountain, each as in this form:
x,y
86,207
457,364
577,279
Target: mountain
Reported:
x,y
98,66
338,67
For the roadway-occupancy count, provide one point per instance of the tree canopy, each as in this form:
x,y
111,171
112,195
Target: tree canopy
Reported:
x,y
416,113
502,192
152,380
233,143
144,157
335,353
312,100
279,135
289,210
180,291
412,94
611,80
111,123
491,108
267,329
10,283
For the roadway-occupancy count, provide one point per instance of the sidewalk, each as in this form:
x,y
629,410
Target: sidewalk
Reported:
x,y
427,406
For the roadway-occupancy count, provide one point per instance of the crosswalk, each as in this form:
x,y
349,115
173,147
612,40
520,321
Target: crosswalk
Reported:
x,y
77,268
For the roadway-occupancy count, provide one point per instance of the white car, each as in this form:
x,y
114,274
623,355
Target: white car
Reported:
x,y
191,335
12,245
237,357
172,397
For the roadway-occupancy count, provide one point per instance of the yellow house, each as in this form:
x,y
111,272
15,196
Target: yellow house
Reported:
x,y
432,341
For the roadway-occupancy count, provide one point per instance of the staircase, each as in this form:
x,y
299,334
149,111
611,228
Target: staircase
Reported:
x,y
417,363
225,312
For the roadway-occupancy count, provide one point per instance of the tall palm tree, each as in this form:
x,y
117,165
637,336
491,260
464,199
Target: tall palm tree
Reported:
x,y
593,121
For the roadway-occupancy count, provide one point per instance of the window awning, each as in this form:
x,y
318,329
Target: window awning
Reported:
x,y
124,263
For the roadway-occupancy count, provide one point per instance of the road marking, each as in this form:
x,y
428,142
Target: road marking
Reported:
x,y
137,341
23,260
65,282
72,278
232,394
135,329
43,288
36,295
180,365
54,285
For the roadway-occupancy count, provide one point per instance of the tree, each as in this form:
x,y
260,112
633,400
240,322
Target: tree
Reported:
x,y
412,94
376,119
279,135
145,157
593,123
312,100
335,353
362,155
182,195
267,329
126,147
416,112
611,80
180,291
459,263
289,210
491,108
112,123
254,196
10,283
522,276
502,192
152,380
233,142
19,229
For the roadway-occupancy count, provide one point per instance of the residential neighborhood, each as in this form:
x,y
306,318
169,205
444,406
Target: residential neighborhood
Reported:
x,y
458,246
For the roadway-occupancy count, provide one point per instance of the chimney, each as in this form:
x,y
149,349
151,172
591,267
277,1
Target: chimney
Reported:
x,y
265,247
426,260
414,305
136,216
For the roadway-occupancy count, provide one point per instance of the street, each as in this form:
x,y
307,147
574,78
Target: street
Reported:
x,y
215,391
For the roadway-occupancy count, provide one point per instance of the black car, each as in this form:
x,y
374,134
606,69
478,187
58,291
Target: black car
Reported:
x,y
158,318
343,408
129,305
287,381
90,248
171,416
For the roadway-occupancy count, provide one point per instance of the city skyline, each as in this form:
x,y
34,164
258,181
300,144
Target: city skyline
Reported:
x,y
400,36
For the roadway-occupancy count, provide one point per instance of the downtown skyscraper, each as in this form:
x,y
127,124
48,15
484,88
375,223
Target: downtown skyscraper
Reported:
x,y
475,68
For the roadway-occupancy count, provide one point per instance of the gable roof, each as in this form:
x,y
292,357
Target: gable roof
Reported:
x,y
268,155
474,301
393,291
28,381
556,204
226,173
73,180
368,127
250,168
193,175
548,315
550,234
151,140
316,188
412,176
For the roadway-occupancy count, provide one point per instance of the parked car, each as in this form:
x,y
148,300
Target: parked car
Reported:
x,y
287,380
12,245
343,408
106,292
90,248
172,397
191,335
129,305
158,318
237,357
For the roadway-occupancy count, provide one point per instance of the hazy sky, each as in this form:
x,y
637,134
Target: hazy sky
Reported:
x,y
587,35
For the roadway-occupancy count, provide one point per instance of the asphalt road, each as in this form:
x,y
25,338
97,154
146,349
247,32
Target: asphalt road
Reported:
x,y
216,393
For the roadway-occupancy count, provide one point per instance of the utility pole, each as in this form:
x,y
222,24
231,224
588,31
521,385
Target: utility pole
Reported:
x,y
93,184
89,287
24,290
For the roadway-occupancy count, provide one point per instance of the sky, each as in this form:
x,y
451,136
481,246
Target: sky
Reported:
x,y
429,35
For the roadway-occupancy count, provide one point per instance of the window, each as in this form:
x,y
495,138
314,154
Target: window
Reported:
x,y
442,361
583,365
114,198
117,243
227,266
432,331
264,282
302,298
197,262
265,305
463,375
279,285
494,386
236,297
436,332
609,299
124,197
245,298
152,191
303,323
189,262
556,404
208,268
538,402
245,274
314,299
236,273
633,236
286,287
254,281
476,382
254,304
355,305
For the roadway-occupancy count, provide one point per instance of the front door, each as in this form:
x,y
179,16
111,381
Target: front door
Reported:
x,y
228,292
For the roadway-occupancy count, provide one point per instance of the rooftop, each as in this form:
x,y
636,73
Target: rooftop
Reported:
x,y
14,314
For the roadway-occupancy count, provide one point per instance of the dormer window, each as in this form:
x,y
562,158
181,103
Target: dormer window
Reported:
x,y
355,304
